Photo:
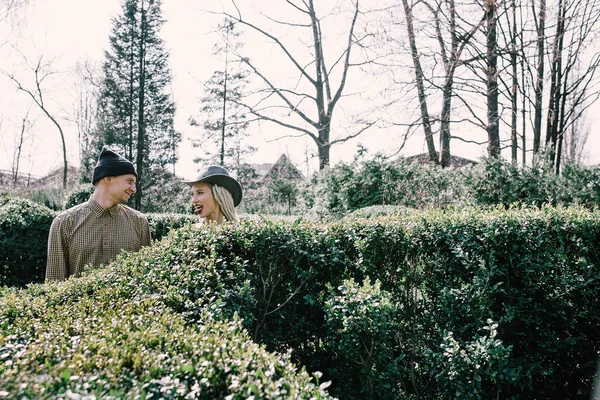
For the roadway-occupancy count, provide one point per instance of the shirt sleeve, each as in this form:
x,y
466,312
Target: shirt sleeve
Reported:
x,y
57,267
145,231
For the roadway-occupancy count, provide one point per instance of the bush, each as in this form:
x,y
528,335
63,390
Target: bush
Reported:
x,y
378,211
51,197
579,185
344,188
471,370
348,187
24,227
92,338
79,195
361,328
498,182
161,224
501,303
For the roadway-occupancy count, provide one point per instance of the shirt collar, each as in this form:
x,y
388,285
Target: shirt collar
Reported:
x,y
99,211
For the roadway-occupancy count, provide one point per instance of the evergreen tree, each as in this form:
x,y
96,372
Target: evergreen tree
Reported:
x,y
136,108
221,118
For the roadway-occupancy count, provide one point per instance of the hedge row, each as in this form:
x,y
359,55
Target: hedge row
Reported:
x,y
438,304
347,187
24,227
92,338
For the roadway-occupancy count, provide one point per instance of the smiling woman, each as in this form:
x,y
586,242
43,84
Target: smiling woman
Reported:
x,y
215,194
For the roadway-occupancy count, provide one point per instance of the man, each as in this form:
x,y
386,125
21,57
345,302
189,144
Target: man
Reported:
x,y
95,232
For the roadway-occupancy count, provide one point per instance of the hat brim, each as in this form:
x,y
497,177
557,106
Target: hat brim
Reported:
x,y
225,181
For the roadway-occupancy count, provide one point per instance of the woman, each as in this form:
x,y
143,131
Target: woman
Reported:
x,y
215,194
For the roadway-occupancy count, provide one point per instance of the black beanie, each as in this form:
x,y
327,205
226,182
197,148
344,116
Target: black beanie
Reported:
x,y
111,164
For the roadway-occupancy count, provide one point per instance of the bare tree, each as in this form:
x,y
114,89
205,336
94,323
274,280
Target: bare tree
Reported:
x,y
492,72
453,29
316,121
18,147
10,7
11,18
540,23
85,113
425,117
574,81
575,142
514,92
41,71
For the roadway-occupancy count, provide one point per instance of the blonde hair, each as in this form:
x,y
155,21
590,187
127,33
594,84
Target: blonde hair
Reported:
x,y
225,200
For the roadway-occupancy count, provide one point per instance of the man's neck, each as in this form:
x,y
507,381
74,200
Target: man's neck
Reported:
x,y
102,199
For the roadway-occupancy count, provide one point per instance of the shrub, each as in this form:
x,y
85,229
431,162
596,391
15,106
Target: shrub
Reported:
x,y
161,224
51,197
378,211
79,195
89,338
498,182
344,188
500,302
579,185
24,227
361,328
348,187
472,370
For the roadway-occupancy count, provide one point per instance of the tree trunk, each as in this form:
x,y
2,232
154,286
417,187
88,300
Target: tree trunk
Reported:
x,y
561,130
17,156
524,103
514,145
445,128
131,100
141,137
539,83
324,147
426,122
556,85
224,114
493,128
322,107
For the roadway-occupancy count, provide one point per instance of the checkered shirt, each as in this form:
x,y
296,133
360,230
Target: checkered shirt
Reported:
x,y
88,234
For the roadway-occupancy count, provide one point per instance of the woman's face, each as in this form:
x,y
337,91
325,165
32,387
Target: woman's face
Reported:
x,y
205,205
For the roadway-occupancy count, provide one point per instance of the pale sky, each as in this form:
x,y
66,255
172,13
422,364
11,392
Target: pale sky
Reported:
x,y
67,31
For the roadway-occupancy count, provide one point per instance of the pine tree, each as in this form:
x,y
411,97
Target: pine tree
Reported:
x,y
222,120
136,108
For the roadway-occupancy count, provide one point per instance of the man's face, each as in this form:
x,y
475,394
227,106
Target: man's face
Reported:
x,y
204,202
122,187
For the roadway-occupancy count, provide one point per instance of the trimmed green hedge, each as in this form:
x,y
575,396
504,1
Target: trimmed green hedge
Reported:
x,y
24,227
94,337
439,304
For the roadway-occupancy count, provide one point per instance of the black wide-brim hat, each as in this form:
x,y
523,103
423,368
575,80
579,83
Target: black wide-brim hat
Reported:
x,y
218,175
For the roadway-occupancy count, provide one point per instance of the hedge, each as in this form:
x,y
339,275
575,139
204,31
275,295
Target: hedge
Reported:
x,y
440,304
24,227
92,338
